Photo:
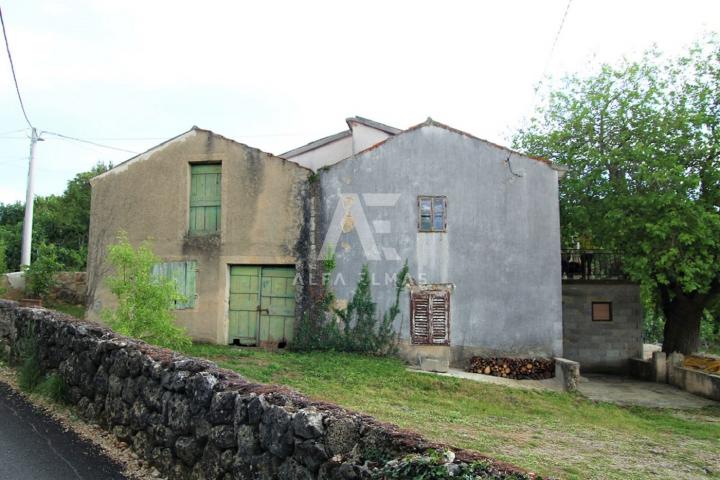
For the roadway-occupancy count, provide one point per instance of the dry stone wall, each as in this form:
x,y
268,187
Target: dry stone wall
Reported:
x,y
193,420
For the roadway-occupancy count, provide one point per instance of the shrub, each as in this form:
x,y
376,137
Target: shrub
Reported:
x,y
437,465
53,388
145,301
30,373
40,274
362,330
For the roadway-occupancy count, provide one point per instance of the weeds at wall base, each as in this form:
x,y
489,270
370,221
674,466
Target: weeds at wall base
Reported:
x,y
32,378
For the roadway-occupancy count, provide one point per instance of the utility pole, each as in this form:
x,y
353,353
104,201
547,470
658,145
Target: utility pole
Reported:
x,y
29,201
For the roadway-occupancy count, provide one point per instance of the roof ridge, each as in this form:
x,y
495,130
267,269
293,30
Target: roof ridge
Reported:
x,y
429,122
373,124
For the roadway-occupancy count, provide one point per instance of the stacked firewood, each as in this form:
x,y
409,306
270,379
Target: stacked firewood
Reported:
x,y
517,368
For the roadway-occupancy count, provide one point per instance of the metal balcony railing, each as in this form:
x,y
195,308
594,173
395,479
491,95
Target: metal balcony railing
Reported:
x,y
592,265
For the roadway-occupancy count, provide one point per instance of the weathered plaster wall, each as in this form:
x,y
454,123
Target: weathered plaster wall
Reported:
x,y
364,137
357,139
263,209
193,420
602,346
501,251
325,155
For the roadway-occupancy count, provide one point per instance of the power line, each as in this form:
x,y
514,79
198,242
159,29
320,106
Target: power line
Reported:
x,y
557,36
13,131
12,68
67,137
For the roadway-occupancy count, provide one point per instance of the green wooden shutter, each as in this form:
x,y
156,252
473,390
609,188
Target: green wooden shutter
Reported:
x,y
183,275
205,187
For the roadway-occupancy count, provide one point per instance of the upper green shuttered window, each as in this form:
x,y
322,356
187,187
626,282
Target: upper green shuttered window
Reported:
x,y
205,187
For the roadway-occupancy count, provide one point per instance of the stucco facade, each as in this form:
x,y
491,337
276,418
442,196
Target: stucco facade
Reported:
x,y
262,220
362,133
494,264
499,256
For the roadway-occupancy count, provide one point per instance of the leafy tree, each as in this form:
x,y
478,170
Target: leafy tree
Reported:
x,y
11,219
3,261
61,220
641,141
145,301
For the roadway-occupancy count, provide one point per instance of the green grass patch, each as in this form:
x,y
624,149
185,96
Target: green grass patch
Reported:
x,y
555,434
77,311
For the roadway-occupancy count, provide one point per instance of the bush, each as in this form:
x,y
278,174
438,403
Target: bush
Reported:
x,y
30,373
362,330
40,275
437,465
53,388
145,301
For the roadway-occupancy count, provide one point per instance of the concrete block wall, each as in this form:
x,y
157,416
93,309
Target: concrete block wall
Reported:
x,y
602,346
192,420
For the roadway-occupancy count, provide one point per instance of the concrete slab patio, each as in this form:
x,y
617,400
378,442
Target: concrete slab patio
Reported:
x,y
629,391
602,388
549,384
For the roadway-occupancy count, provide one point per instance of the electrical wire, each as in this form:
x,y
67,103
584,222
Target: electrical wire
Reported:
x,y
557,36
13,131
67,137
12,68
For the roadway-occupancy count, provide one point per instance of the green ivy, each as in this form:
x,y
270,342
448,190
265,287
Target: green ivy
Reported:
x,y
357,327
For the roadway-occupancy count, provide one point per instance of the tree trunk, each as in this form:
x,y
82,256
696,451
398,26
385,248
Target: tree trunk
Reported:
x,y
682,325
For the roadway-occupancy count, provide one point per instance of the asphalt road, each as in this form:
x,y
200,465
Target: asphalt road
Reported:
x,y
33,446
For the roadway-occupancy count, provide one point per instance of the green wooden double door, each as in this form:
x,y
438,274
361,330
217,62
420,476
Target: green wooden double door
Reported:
x,y
262,305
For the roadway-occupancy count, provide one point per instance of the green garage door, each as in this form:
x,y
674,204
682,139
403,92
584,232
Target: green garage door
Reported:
x,y
262,305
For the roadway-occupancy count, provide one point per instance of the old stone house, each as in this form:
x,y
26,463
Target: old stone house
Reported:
x,y
479,227
228,222
241,232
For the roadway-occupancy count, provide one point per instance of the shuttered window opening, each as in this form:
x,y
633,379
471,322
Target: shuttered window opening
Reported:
x,y
183,274
430,317
205,188
602,311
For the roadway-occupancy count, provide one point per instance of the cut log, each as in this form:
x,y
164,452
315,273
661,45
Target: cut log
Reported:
x,y
517,368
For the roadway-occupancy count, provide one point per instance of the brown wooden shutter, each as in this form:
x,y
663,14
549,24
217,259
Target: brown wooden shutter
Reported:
x,y
439,317
420,317
430,317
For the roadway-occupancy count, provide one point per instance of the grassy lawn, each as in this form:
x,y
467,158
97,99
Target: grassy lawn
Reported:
x,y
554,434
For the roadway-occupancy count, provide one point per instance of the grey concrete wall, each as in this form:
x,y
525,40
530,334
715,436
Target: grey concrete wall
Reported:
x,y
691,380
501,251
263,218
602,346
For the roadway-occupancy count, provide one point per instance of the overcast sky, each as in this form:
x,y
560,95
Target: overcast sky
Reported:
x,y
276,75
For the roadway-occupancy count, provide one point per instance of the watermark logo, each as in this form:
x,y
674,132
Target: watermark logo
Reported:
x,y
349,217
